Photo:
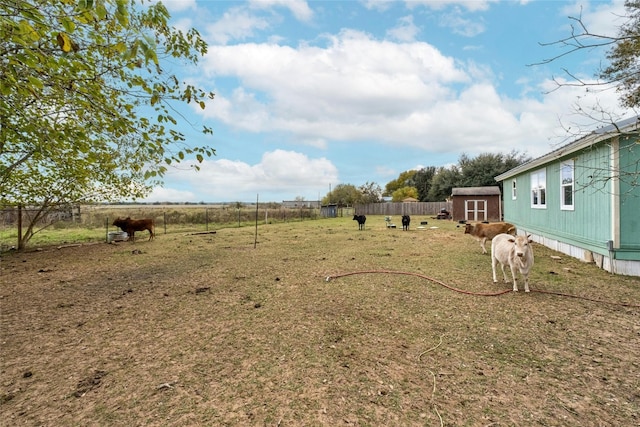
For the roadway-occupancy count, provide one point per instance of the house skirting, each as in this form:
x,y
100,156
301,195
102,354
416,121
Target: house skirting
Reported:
x,y
606,262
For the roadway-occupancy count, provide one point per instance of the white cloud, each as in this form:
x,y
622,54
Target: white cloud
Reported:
x,y
174,6
235,24
278,172
299,8
405,31
161,194
461,25
333,92
379,5
603,18
357,88
386,171
470,5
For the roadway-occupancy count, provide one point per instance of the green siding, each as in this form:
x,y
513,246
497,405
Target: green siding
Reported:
x,y
630,194
589,224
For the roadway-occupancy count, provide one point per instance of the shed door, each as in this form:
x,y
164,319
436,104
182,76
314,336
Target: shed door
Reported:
x,y
475,210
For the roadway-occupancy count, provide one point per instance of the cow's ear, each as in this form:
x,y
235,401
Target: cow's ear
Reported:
x,y
512,240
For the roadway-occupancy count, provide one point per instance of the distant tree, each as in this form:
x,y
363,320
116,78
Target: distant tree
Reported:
x,y
422,181
445,179
403,180
402,193
481,170
343,195
370,192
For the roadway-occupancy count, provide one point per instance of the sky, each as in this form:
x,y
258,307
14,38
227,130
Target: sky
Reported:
x,y
313,94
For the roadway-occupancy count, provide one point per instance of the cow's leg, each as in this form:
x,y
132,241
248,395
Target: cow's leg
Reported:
x,y
493,268
526,283
482,242
504,274
514,274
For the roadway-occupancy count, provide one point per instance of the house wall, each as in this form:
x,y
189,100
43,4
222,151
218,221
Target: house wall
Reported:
x,y
605,208
629,153
588,224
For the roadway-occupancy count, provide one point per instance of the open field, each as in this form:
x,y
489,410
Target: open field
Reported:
x,y
205,329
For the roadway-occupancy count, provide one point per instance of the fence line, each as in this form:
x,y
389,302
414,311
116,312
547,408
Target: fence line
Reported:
x,y
403,208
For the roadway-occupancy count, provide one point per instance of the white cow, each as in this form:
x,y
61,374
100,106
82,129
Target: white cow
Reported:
x,y
515,252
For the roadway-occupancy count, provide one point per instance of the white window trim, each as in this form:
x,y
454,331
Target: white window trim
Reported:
x,y
562,186
537,174
514,189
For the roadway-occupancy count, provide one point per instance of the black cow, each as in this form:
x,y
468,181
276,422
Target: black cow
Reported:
x,y
406,219
130,226
361,220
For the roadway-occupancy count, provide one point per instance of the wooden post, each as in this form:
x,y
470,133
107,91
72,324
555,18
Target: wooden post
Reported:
x,y
255,240
20,245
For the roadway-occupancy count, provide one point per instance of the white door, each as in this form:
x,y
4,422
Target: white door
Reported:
x,y
475,210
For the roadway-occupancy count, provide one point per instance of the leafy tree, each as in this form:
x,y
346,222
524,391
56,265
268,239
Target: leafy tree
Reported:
x,y
403,180
87,113
422,181
402,193
624,57
370,192
445,179
343,195
481,170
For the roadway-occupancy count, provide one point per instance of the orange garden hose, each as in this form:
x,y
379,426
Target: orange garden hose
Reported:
x,y
462,291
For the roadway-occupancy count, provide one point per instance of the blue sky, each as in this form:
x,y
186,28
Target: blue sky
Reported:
x,y
312,94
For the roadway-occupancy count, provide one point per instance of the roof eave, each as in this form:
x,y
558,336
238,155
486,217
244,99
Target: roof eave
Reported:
x,y
582,143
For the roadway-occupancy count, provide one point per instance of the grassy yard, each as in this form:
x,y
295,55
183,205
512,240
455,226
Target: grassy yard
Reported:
x,y
206,329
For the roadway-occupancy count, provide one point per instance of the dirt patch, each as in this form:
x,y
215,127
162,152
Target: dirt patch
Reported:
x,y
207,330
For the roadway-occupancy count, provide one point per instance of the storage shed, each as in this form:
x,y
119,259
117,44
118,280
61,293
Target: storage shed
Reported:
x,y
329,211
476,204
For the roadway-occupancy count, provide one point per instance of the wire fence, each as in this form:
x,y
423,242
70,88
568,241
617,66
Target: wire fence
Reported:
x,y
97,220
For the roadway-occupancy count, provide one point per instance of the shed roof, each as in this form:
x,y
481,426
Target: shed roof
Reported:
x,y
631,124
476,191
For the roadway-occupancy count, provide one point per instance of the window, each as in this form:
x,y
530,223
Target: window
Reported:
x,y
566,185
539,189
514,191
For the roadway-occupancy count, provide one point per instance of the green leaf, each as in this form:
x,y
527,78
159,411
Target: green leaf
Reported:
x,y
35,82
68,25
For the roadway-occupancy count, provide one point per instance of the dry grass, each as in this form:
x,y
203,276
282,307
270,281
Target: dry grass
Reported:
x,y
207,330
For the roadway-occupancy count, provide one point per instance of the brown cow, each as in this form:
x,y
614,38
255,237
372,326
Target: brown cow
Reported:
x,y
130,226
487,231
